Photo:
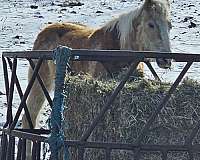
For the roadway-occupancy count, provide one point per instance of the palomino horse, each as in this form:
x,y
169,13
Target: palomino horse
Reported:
x,y
144,29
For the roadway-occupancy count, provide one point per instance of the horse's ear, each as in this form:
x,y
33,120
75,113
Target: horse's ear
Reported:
x,y
148,3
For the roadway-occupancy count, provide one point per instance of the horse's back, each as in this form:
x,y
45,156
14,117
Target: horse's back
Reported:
x,y
68,34
73,35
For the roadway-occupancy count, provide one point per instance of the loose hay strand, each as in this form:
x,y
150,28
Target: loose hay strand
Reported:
x,y
130,111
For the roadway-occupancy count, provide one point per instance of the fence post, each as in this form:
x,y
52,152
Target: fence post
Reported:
x,y
56,139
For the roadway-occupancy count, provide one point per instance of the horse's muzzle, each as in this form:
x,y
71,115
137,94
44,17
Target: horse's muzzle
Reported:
x,y
164,63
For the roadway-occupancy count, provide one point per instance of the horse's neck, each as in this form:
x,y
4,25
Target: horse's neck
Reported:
x,y
105,39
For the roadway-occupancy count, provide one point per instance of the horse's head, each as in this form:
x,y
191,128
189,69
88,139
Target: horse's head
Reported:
x,y
152,29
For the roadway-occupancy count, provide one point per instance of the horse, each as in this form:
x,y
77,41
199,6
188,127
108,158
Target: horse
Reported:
x,y
145,28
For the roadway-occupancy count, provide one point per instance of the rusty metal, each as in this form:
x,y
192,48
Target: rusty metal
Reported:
x,y
90,55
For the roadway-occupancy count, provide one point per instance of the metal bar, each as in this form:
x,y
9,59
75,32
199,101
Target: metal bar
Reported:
x,y
137,153
19,149
23,149
21,95
34,131
107,55
152,70
46,93
10,96
127,146
25,135
9,155
4,143
108,153
191,157
34,150
21,106
105,145
107,106
163,102
13,149
164,155
38,150
6,79
81,151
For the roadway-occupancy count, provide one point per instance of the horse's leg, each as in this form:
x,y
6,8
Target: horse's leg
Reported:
x,y
36,98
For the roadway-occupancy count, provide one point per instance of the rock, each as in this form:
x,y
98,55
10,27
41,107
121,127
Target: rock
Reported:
x,y
74,12
75,4
187,18
17,37
34,7
191,5
192,25
183,32
52,3
22,42
63,9
38,16
1,93
71,4
99,11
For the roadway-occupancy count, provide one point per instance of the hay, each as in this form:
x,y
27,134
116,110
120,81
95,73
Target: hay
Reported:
x,y
130,111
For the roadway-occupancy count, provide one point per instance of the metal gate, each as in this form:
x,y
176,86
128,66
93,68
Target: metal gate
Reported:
x,y
10,132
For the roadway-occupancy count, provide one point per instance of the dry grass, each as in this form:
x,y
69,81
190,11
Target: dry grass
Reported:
x,y
130,111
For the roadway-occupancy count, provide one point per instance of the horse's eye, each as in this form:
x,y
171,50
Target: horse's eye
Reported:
x,y
151,25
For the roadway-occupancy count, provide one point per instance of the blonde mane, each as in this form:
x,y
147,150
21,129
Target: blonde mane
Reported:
x,y
124,24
